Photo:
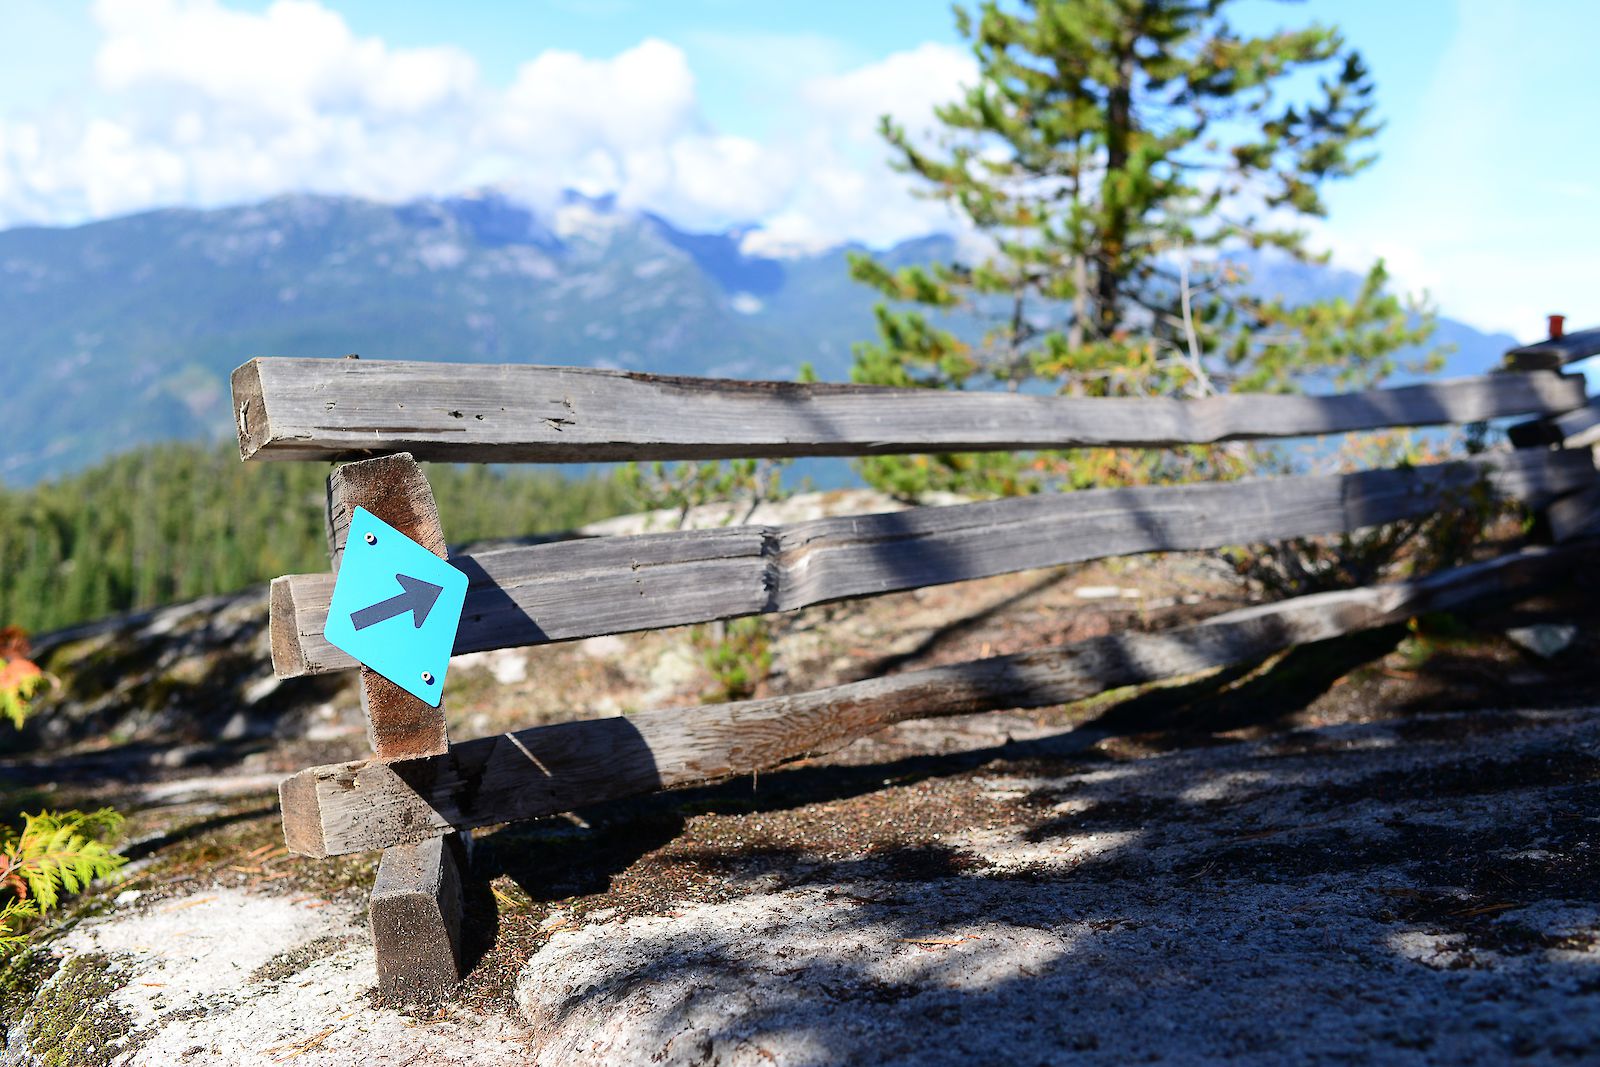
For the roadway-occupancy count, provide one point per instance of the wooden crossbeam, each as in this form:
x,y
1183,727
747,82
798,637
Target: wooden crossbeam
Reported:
x,y
350,807
551,592
1579,428
348,409
1556,352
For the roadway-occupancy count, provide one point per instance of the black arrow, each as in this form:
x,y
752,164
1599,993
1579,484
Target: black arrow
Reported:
x,y
418,598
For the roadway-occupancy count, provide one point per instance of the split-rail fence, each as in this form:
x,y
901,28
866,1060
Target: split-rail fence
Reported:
x,y
420,793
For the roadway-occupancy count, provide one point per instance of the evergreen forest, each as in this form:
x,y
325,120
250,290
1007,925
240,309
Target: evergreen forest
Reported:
x,y
169,522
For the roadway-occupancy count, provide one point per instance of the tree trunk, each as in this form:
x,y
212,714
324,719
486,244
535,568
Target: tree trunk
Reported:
x,y
1119,127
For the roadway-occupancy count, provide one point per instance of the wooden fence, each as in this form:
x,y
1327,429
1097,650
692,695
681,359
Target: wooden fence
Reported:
x,y
420,792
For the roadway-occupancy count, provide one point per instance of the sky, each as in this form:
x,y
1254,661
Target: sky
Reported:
x,y
720,112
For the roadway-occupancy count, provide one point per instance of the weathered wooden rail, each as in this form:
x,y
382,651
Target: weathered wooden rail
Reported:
x,y
1555,352
420,792
570,589
352,807
345,409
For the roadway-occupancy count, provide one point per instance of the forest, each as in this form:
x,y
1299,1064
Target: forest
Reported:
x,y
170,522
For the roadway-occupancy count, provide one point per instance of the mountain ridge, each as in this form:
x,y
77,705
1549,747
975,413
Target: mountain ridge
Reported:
x,y
123,331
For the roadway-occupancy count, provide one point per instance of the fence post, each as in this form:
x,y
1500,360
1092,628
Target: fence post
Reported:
x,y
415,910
1573,514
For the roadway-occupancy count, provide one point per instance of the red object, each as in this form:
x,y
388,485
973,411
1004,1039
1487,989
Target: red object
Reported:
x,y
1558,326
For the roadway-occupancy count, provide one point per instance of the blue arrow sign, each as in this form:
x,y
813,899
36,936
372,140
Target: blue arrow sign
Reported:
x,y
418,598
396,607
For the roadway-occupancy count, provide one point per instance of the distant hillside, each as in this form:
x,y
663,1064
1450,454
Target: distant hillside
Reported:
x,y
124,331
162,523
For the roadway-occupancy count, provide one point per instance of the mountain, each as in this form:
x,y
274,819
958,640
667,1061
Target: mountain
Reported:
x,y
124,331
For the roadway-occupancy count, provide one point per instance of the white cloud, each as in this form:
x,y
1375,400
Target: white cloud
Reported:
x,y
204,105
850,191
907,85
196,103
562,102
294,60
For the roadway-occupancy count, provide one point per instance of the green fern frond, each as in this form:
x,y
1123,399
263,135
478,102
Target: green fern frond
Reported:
x,y
10,913
62,852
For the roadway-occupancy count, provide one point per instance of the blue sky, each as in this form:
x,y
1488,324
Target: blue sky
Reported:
x,y
715,111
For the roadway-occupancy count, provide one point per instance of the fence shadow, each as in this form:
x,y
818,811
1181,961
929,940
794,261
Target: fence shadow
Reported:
x,y
1324,893
491,608
1226,883
1245,695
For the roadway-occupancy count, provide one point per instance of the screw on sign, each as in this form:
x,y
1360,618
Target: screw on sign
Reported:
x,y
396,607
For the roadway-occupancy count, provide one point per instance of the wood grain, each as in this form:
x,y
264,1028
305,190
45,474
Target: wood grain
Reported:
x,y
1575,515
552,592
1579,428
399,725
346,409
415,918
351,807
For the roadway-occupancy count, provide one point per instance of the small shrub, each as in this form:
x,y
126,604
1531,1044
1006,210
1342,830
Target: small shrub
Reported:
x,y
738,654
55,853
1445,538
682,487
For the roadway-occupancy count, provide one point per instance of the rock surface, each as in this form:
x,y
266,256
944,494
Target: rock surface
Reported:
x,y
1343,854
239,978
1416,892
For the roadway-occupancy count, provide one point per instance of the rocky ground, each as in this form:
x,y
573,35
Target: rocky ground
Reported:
x,y
1376,849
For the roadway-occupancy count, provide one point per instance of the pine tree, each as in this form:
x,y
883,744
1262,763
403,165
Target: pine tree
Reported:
x,y
174,521
1110,156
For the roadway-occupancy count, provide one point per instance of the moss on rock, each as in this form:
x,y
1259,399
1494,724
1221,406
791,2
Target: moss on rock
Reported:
x,y
22,972
72,1021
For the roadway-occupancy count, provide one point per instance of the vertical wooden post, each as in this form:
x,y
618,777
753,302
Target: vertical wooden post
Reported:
x,y
1540,433
415,911
399,725
415,917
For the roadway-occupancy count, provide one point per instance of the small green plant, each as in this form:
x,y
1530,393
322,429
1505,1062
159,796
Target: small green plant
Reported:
x,y
12,912
1431,542
55,853
738,654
